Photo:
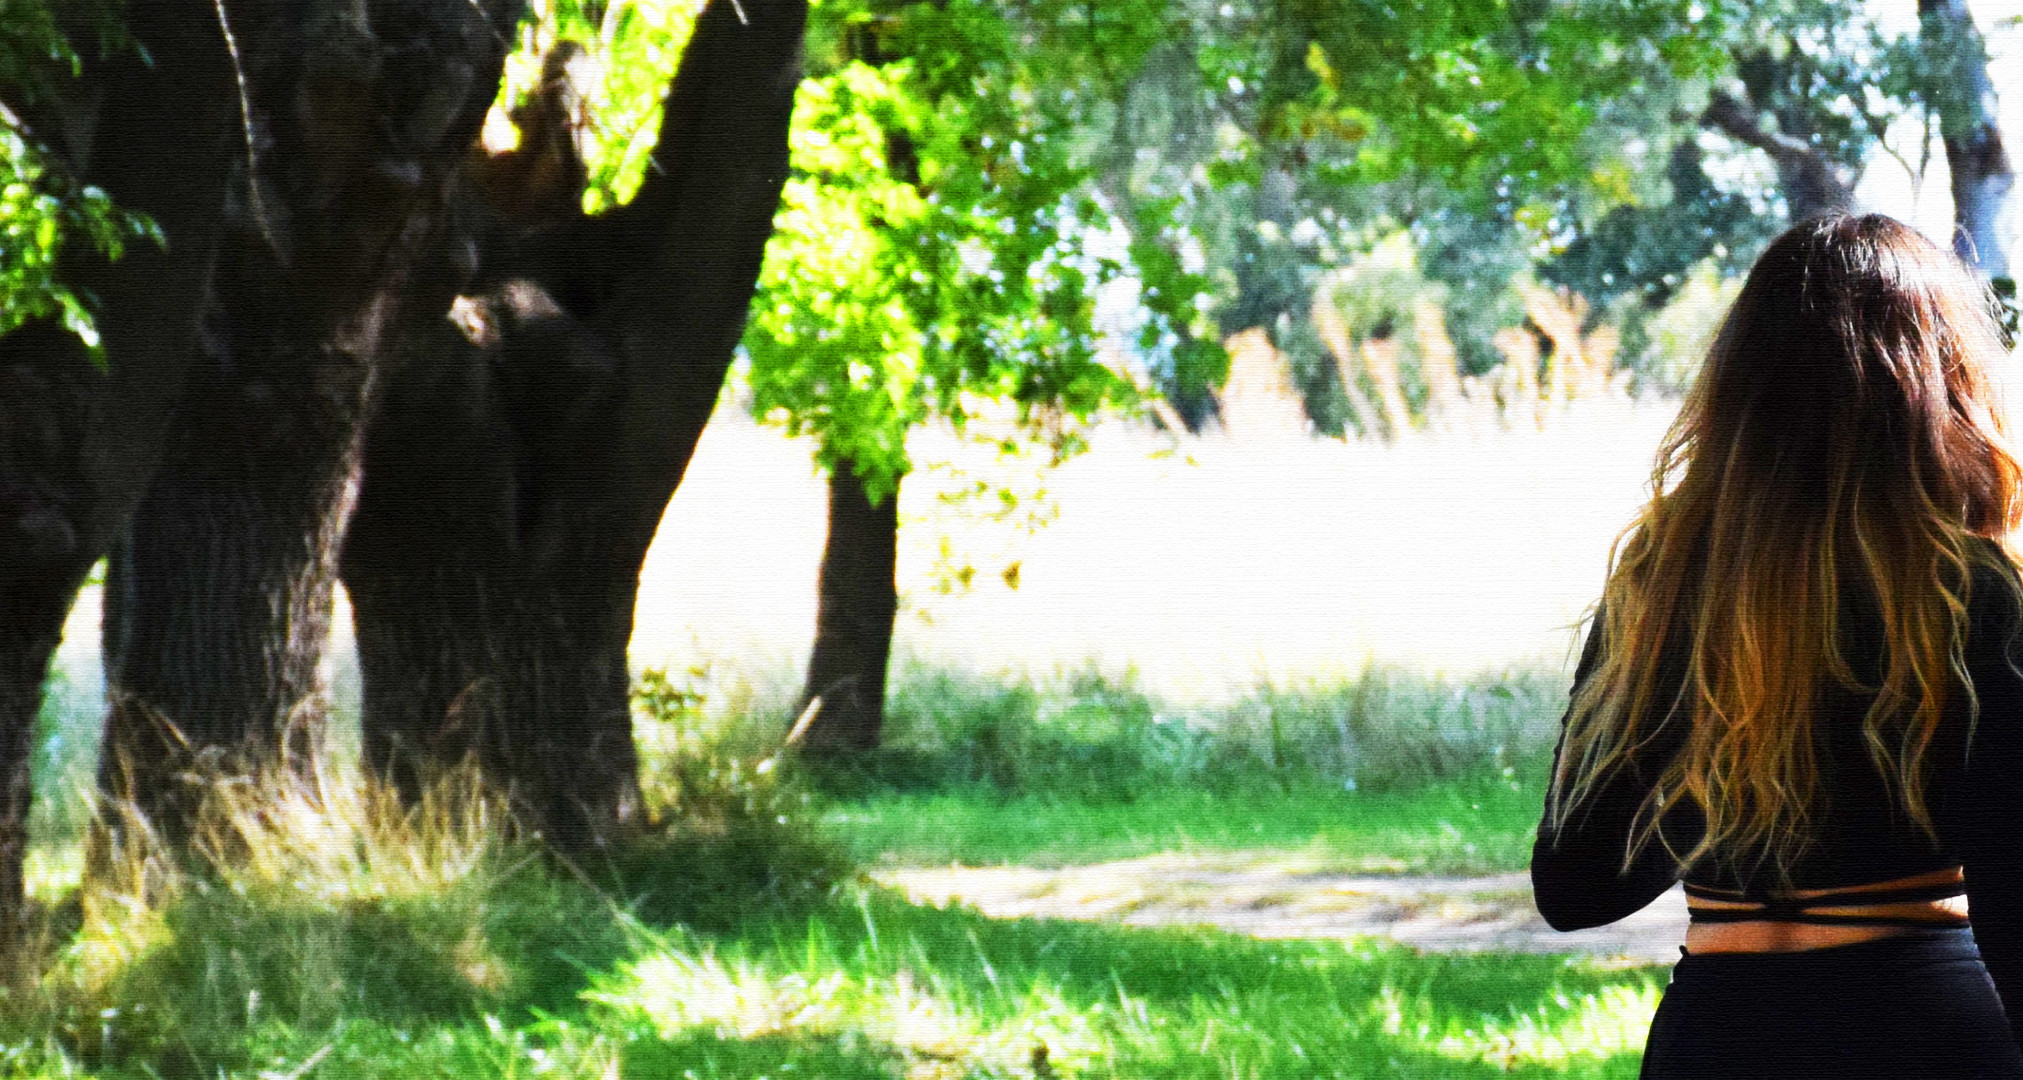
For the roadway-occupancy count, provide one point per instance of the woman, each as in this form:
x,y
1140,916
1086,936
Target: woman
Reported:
x,y
1798,693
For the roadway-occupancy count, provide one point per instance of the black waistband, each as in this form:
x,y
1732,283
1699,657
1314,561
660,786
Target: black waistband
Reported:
x,y
1802,909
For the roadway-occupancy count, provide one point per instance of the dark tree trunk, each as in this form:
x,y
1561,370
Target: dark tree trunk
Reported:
x,y
78,444
1983,179
425,545
219,596
519,471
358,118
31,624
44,380
853,618
472,646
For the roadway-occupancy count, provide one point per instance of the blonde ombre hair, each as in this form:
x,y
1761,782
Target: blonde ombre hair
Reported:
x,y
1841,440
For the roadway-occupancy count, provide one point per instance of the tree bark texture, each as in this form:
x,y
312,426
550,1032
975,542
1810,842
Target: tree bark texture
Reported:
x,y
472,646
79,443
519,469
356,117
1982,177
858,600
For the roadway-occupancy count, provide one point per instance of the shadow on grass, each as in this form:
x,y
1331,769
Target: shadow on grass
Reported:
x,y
532,972
359,947
939,992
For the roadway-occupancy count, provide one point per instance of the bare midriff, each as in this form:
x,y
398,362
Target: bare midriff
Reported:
x,y
1775,935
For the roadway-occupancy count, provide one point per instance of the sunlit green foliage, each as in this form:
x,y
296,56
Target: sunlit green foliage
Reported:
x,y
43,208
40,213
1492,102
1673,192
927,253
632,48
927,256
1288,136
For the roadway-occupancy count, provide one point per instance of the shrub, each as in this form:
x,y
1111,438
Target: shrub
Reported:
x,y
731,830
1087,736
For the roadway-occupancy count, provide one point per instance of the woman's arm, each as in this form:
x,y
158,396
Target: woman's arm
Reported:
x,y
1578,879
1990,818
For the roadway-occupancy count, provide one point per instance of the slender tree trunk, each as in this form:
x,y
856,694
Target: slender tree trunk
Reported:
x,y
357,117
853,618
31,624
78,444
519,471
1983,178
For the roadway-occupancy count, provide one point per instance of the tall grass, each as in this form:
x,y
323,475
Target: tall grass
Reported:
x,y
1380,771
321,929
1090,736
314,921
307,903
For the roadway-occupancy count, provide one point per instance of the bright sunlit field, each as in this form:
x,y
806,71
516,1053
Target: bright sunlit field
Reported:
x,y
1205,564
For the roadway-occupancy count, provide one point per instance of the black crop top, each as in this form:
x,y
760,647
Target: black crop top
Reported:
x,y
1974,789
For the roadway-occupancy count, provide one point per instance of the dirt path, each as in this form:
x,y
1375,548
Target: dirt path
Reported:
x,y
1255,895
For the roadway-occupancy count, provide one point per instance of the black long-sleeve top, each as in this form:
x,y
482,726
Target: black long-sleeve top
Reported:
x,y
1861,834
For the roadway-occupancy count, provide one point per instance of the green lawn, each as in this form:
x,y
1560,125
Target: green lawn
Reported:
x,y
890,988
744,939
1477,826
863,985
688,958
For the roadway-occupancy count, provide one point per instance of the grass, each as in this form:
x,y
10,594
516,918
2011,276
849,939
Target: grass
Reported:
x,y
861,986
1380,772
1480,825
327,932
891,989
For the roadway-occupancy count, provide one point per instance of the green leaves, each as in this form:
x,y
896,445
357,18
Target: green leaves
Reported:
x,y
42,207
632,47
925,258
41,211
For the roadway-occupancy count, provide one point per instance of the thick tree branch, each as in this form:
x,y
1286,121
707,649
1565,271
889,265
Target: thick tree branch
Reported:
x,y
1983,178
519,472
1812,182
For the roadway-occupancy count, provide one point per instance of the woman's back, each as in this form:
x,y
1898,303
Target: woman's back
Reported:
x,y
1860,831
1797,693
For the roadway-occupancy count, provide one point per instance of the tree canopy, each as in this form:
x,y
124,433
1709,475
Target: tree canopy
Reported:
x,y
928,248
312,280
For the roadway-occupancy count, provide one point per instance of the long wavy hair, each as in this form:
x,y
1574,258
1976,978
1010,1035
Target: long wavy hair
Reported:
x,y
1841,441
